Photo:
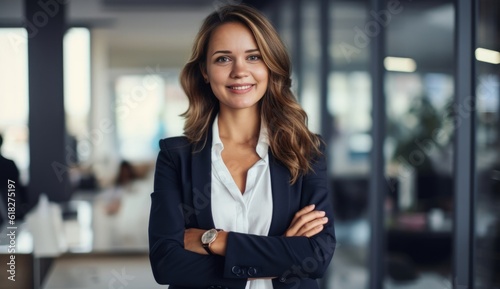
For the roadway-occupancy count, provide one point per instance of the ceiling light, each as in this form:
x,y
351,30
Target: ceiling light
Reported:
x,y
487,55
400,64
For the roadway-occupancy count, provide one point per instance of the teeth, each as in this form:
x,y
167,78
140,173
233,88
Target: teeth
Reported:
x,y
241,87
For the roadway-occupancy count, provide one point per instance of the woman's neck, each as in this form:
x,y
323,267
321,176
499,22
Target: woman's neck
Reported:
x,y
241,126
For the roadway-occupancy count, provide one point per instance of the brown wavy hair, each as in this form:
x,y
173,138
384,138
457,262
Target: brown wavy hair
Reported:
x,y
291,142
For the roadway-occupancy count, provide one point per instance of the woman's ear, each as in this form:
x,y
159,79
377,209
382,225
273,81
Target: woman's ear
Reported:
x,y
204,73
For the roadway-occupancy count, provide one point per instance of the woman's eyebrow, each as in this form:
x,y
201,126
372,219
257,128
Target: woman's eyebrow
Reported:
x,y
229,52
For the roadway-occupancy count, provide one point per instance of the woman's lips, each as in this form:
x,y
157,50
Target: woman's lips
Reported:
x,y
243,88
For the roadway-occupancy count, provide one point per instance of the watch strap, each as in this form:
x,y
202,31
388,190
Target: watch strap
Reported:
x,y
207,248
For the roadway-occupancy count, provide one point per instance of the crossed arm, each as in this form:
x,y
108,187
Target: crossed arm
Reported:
x,y
176,254
307,222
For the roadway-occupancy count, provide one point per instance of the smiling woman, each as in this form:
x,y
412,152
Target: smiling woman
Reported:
x,y
240,201
235,70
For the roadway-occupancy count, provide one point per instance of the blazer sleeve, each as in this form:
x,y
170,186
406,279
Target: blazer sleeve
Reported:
x,y
170,262
291,259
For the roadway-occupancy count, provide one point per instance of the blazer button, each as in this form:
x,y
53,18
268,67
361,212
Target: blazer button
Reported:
x,y
251,271
282,279
236,270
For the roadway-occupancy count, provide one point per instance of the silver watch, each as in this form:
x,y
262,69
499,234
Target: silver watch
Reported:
x,y
208,238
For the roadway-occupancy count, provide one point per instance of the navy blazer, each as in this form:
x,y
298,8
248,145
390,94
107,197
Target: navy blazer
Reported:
x,y
181,199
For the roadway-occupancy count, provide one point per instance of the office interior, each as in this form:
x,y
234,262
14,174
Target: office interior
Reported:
x,y
405,92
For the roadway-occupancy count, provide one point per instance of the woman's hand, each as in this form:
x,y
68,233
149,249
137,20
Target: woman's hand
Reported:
x,y
307,222
192,240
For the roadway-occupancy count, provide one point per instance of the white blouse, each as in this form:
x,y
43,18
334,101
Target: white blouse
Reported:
x,y
250,212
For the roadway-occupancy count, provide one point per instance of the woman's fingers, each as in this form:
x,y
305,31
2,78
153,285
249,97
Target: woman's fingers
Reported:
x,y
301,212
313,231
313,227
292,229
305,221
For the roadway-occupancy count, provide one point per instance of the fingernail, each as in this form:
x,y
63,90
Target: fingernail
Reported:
x,y
325,219
322,213
312,205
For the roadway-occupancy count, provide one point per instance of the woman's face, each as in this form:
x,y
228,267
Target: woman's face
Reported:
x,y
237,75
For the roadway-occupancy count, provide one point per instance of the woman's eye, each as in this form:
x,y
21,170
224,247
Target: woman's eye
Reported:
x,y
222,59
254,57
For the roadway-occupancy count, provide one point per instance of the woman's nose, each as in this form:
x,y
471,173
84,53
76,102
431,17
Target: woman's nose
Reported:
x,y
239,69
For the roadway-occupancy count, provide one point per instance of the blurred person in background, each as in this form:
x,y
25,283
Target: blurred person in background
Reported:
x,y
9,174
123,183
122,210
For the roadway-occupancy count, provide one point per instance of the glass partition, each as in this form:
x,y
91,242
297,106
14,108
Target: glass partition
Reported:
x,y
487,166
419,64
349,103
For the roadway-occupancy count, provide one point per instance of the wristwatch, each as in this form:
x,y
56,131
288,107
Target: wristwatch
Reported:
x,y
208,238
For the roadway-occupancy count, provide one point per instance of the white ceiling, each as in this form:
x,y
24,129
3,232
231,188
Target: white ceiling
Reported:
x,y
135,36
141,29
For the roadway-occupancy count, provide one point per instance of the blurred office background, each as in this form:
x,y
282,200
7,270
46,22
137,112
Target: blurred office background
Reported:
x,y
88,87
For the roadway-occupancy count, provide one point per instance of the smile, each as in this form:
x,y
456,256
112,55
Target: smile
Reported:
x,y
243,87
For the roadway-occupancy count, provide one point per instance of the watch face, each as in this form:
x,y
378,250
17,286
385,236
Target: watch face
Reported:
x,y
208,236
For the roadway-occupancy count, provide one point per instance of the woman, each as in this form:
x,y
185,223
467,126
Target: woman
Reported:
x,y
241,200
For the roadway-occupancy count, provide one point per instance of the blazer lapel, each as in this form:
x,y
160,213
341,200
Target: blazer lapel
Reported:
x,y
201,169
280,184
